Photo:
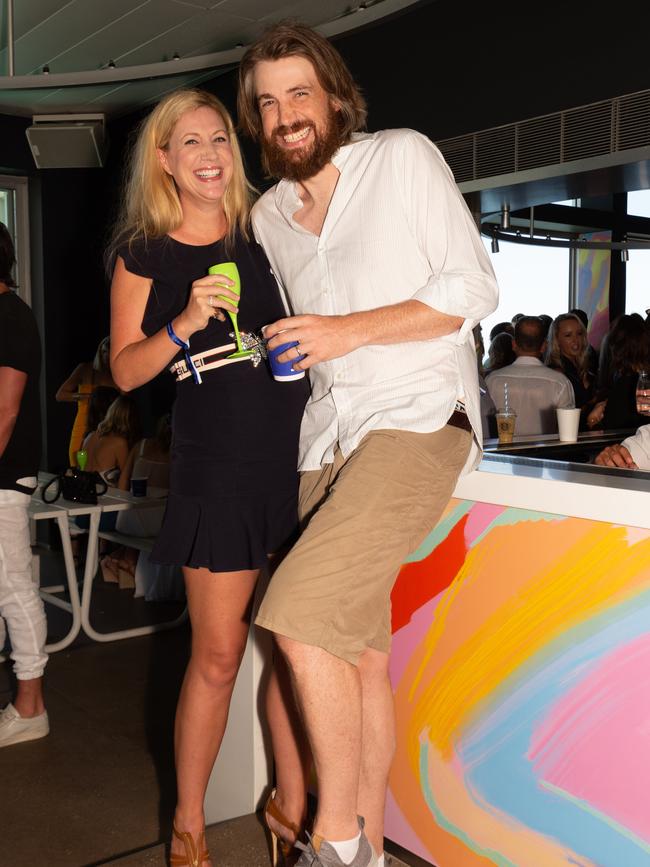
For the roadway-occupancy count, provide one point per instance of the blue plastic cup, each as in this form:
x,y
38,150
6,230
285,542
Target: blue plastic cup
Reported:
x,y
139,486
283,371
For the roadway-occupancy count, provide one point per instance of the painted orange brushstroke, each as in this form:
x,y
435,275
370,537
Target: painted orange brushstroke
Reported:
x,y
590,577
418,583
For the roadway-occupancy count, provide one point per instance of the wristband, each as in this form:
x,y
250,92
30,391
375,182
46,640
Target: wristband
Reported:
x,y
185,346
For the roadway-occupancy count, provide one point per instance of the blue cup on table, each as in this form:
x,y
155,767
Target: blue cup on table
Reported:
x,y
282,370
139,486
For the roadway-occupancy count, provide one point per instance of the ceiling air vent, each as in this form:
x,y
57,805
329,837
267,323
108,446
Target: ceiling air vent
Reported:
x,y
599,129
67,141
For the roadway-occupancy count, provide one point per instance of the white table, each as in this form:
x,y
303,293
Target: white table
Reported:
x,y
62,511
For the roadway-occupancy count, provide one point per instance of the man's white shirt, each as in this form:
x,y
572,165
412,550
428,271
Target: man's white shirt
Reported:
x,y
639,447
397,229
534,392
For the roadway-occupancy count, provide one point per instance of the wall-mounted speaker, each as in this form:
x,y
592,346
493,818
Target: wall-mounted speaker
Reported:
x,y
67,141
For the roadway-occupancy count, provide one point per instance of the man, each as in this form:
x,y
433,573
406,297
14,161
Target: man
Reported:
x,y
387,276
21,607
534,390
632,454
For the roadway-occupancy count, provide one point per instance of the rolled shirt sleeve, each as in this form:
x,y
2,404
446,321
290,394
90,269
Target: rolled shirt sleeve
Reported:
x,y
462,282
639,447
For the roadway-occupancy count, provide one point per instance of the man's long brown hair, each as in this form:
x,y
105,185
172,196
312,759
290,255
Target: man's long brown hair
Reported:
x,y
290,39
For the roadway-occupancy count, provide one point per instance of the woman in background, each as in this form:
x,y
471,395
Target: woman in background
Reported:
x,y
149,459
78,387
108,449
109,445
568,352
629,348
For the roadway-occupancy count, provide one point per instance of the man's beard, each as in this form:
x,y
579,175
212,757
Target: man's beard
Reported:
x,y
295,165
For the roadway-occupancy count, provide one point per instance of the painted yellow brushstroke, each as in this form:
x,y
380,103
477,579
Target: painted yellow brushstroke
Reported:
x,y
597,571
489,829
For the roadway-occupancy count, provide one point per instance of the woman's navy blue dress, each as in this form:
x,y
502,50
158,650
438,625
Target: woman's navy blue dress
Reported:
x,y
234,481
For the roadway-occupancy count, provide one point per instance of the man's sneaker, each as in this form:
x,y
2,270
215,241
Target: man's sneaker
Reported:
x,y
319,853
14,729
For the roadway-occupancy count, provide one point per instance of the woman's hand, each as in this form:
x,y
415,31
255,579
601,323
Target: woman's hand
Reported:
x,y
596,415
209,297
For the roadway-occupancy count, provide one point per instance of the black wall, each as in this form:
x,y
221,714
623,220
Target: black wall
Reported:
x,y
445,68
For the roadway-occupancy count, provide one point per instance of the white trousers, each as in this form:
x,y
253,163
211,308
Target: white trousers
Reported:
x,y
21,607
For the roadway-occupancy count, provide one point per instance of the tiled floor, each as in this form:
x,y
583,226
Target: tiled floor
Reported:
x,y
99,789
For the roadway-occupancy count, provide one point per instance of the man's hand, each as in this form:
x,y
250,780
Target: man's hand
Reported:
x,y
615,456
320,338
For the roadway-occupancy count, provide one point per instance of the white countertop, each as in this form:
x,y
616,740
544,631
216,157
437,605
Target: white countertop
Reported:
x,y
560,487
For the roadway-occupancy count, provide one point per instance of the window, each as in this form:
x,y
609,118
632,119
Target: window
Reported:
x,y
14,213
637,269
532,280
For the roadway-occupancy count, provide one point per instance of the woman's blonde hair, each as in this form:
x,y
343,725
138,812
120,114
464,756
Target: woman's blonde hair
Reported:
x,y
553,354
122,420
100,361
151,207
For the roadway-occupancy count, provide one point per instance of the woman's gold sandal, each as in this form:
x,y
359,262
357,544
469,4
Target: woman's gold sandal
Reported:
x,y
271,809
195,851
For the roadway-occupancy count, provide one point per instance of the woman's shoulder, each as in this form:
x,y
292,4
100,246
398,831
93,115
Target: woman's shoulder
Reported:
x,y
142,256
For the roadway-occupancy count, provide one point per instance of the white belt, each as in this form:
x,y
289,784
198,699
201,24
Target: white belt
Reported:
x,y
206,360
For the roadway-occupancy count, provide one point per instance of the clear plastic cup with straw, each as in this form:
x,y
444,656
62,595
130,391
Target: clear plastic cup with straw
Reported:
x,y
506,418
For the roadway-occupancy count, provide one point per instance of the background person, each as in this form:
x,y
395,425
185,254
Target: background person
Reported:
x,y
534,390
21,607
568,352
629,350
388,427
108,449
233,483
148,459
79,386
500,352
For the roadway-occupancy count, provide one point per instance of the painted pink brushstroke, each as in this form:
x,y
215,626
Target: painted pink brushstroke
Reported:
x,y
408,638
480,516
595,742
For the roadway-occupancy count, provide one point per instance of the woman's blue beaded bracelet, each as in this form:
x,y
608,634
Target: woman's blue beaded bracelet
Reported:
x,y
185,346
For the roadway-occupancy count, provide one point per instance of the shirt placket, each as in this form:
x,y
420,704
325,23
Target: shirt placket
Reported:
x,y
338,366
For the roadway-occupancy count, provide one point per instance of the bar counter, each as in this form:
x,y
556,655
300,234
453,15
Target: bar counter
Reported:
x,y
521,667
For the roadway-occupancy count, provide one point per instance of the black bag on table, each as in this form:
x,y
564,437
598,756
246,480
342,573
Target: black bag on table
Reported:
x,y
76,485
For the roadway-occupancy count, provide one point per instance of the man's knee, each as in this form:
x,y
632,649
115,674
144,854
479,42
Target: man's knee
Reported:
x,y
373,666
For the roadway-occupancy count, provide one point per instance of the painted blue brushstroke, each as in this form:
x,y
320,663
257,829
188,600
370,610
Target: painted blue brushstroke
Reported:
x,y
494,750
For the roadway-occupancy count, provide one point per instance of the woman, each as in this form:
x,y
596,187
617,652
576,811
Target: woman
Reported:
x,y
568,353
108,448
149,458
500,353
79,386
109,445
629,350
233,481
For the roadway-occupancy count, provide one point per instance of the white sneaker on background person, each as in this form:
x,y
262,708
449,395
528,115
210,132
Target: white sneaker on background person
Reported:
x,y
15,729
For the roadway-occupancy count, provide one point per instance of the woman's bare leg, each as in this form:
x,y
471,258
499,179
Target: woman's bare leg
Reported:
x,y
219,606
290,749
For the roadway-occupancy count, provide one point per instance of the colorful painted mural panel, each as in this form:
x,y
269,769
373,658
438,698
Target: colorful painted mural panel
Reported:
x,y
521,672
592,286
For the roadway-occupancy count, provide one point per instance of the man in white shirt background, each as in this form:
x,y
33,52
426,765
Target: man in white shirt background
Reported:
x,y
386,274
534,390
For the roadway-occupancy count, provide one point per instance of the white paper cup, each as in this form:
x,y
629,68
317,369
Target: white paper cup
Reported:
x,y
568,421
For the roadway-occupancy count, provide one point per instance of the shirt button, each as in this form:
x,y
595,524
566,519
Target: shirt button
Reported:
x,y
325,290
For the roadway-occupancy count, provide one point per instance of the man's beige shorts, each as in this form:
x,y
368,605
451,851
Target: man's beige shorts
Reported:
x,y
361,518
